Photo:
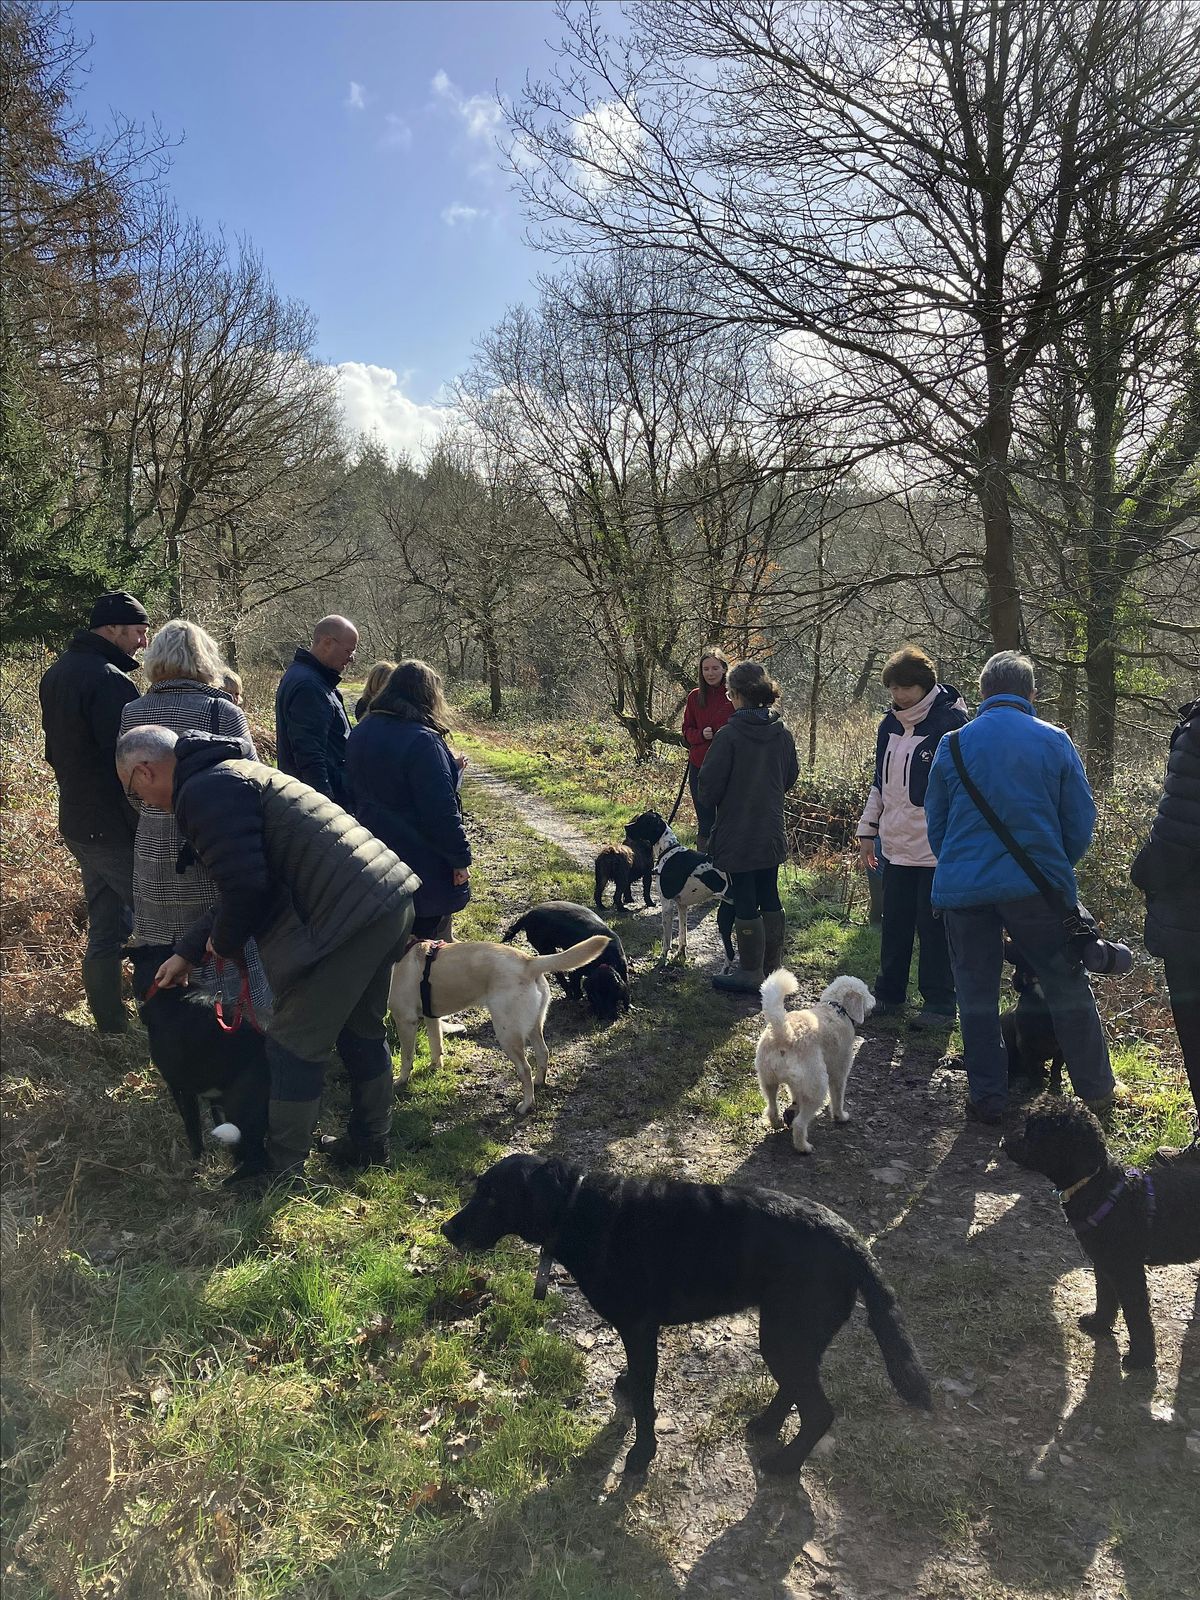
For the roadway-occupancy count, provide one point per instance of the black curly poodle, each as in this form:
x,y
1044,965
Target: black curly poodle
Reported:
x,y
1125,1220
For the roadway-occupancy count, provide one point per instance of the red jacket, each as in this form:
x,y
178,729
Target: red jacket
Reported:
x,y
697,717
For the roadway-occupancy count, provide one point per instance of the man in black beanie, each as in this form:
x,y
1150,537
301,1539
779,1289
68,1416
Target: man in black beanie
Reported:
x,y
82,697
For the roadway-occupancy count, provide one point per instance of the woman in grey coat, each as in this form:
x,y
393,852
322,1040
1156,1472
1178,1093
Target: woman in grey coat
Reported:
x,y
184,666
750,766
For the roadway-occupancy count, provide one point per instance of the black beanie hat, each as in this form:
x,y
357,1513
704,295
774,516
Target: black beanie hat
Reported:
x,y
117,610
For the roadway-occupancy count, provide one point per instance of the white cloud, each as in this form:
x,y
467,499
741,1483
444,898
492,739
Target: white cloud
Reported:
x,y
480,113
397,135
373,402
606,137
356,100
456,213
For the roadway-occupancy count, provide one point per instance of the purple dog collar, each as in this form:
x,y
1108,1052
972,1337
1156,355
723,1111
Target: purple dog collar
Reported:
x,y
1114,1194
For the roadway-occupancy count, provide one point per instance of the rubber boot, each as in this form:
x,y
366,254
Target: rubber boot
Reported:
x,y
102,986
365,1142
292,1112
774,926
750,938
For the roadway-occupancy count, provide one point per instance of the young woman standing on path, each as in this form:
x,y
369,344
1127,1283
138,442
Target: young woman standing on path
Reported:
x,y
922,711
750,767
707,711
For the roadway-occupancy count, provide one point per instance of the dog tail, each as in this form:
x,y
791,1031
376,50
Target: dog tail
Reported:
x,y
517,927
577,956
775,994
883,1313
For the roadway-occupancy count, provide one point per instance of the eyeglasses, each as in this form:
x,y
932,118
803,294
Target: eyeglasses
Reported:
x,y
130,792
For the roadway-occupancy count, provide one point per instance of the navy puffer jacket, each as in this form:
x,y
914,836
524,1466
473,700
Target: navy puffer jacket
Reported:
x,y
292,869
404,786
1167,867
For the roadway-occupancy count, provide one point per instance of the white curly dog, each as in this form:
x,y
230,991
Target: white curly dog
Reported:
x,y
810,1052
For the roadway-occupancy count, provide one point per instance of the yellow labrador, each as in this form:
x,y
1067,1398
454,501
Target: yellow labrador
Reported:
x,y
511,984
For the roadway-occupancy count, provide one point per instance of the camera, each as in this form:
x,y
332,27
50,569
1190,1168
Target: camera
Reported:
x,y
1093,952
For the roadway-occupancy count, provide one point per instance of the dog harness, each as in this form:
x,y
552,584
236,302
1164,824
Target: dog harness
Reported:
x,y
546,1260
1106,1205
243,1006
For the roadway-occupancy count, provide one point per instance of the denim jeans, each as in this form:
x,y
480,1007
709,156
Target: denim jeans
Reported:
x,y
107,868
976,938
1183,985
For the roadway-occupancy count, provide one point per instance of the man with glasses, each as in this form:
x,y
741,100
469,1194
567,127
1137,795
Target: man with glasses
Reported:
x,y
82,697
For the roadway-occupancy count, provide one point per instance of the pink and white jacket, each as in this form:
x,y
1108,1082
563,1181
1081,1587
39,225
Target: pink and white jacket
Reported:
x,y
904,750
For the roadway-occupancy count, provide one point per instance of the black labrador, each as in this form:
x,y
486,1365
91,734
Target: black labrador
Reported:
x,y
1125,1220
1030,1041
199,1060
557,925
649,1253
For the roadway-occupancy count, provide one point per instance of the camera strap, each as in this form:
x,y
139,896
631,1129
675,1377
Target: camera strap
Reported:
x,y
1021,856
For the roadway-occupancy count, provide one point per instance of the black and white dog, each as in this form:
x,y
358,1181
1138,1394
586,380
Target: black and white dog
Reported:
x,y
685,879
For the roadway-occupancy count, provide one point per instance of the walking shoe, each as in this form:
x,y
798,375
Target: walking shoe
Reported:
x,y
887,1008
346,1152
1106,1102
988,1112
933,1021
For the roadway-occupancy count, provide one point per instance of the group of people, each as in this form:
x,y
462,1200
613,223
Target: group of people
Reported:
x,y
951,884
304,883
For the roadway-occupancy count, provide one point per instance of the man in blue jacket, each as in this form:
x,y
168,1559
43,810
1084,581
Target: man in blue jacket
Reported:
x,y
311,724
1031,775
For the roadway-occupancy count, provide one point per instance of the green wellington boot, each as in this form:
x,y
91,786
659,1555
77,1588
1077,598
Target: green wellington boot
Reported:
x,y
102,986
750,938
774,927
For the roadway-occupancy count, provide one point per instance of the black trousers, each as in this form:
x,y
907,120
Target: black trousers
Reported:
x,y
1183,985
755,892
908,915
705,815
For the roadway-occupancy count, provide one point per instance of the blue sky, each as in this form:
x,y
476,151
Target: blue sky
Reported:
x,y
354,143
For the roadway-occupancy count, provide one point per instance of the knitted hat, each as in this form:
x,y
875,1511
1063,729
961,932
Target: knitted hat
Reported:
x,y
117,610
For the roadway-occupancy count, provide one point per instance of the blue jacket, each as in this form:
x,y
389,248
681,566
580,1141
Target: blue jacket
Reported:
x,y
1033,778
403,788
311,726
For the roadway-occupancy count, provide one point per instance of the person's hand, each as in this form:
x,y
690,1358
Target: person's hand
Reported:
x,y
461,875
173,972
866,855
707,733
460,762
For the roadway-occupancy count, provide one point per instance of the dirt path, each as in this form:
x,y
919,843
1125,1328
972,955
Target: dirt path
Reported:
x,y
1043,1471
704,944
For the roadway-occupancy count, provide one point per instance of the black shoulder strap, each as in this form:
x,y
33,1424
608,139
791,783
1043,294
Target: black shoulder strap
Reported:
x,y
1019,854
214,714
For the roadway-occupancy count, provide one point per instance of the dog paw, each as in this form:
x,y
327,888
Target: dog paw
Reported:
x,y
1139,1360
781,1464
639,1458
764,1426
841,1118
1096,1326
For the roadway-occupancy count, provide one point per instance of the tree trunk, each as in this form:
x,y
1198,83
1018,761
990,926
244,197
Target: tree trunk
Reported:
x,y
999,569
1101,671
864,677
491,653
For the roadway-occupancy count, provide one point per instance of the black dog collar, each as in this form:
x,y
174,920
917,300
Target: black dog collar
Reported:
x,y
833,1006
546,1260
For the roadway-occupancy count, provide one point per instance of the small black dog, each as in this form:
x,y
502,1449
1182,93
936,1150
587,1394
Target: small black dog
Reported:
x,y
686,878
622,865
559,924
198,1061
1125,1220
1029,1036
652,1253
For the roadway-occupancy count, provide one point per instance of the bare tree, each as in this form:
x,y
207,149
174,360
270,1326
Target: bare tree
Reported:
x,y
892,186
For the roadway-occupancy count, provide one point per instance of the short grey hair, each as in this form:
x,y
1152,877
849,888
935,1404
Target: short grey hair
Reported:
x,y
183,650
1007,672
147,743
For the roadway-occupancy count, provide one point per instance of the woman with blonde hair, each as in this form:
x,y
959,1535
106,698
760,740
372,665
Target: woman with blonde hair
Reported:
x,y
376,678
186,673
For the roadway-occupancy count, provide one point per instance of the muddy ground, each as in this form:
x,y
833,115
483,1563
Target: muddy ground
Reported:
x,y
1042,1471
